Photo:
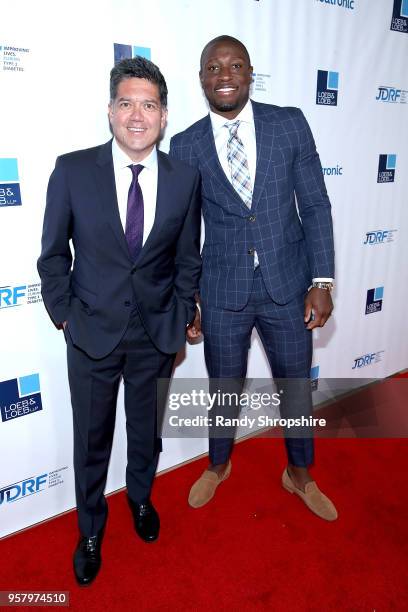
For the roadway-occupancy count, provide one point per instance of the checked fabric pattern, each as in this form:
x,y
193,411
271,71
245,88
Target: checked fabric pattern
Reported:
x,y
238,163
293,239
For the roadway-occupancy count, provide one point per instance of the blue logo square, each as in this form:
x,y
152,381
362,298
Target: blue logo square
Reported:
x,y
29,384
142,52
379,293
333,80
8,170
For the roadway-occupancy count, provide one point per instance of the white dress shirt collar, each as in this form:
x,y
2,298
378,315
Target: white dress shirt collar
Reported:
x,y
121,160
246,116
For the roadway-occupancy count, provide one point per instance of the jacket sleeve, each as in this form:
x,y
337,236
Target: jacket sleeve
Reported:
x,y
54,263
188,259
313,203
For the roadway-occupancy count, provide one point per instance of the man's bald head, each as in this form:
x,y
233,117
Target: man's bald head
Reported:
x,y
220,40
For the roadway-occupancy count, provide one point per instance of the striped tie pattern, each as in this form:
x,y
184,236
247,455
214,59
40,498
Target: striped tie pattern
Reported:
x,y
238,163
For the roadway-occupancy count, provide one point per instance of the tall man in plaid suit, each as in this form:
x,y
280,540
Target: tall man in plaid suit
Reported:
x,y
266,264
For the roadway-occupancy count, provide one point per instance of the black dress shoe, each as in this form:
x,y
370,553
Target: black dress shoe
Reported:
x,y
87,558
147,522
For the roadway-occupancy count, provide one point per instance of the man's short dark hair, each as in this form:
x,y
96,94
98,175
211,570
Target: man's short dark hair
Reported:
x,y
221,39
141,68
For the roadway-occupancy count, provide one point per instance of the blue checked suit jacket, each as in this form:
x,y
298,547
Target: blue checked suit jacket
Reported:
x,y
294,243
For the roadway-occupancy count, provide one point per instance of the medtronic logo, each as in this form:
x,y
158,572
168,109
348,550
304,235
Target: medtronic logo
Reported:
x,y
314,377
386,168
374,300
327,87
20,295
380,236
367,360
128,51
333,171
392,95
399,21
9,183
348,4
19,397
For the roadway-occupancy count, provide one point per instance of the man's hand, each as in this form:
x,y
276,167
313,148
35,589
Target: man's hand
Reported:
x,y
194,329
320,303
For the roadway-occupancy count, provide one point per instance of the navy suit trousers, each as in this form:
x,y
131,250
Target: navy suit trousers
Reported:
x,y
94,387
288,346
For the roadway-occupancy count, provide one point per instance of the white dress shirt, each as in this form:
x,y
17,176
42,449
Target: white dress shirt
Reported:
x,y
147,182
246,132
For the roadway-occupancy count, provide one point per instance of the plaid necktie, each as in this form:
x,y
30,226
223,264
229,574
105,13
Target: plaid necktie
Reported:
x,y
238,163
135,214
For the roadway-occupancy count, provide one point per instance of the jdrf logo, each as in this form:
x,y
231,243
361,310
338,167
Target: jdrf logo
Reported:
x,y
9,183
24,488
399,21
128,51
12,296
367,360
374,300
379,237
386,168
314,377
327,87
392,95
19,397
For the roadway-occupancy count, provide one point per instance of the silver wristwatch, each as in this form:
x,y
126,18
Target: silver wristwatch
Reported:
x,y
323,285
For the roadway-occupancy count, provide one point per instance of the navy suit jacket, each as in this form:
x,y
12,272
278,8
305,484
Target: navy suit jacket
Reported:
x,y
293,246
97,289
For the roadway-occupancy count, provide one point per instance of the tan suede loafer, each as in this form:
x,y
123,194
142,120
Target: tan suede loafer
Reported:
x,y
204,488
314,499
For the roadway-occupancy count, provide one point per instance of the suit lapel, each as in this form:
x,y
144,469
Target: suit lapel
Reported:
x,y
207,154
105,177
265,136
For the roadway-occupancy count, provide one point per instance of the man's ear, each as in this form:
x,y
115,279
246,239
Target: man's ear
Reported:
x,y
163,120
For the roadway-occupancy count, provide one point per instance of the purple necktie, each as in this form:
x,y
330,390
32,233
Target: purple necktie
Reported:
x,y
135,214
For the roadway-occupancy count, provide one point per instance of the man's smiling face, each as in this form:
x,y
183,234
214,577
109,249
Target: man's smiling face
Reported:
x,y
137,117
226,76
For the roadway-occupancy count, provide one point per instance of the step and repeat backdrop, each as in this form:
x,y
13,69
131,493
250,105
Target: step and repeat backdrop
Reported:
x,y
344,62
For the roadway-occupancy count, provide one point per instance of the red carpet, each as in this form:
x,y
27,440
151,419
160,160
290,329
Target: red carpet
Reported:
x,y
254,548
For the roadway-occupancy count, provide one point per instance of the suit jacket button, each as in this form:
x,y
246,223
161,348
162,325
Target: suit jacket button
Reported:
x,y
252,218
127,303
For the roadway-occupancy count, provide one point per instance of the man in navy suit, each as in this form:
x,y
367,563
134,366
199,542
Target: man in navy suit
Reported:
x,y
267,263
126,298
